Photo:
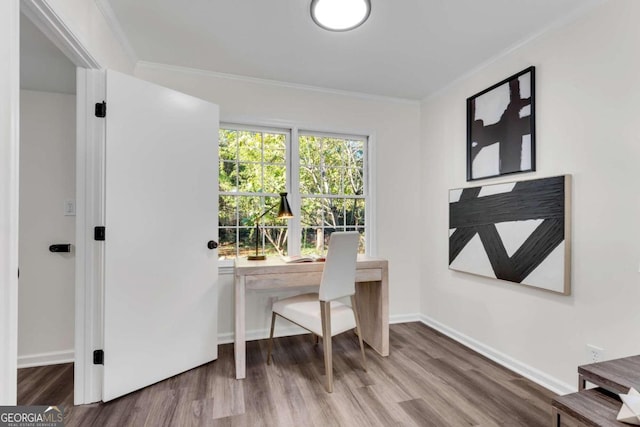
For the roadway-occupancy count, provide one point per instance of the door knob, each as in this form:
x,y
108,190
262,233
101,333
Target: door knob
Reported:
x,y
212,244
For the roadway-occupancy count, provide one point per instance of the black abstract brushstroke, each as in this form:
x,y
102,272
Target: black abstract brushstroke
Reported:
x,y
538,246
459,238
538,199
495,250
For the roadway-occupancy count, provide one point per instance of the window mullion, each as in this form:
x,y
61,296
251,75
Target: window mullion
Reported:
x,y
293,183
369,191
237,161
263,199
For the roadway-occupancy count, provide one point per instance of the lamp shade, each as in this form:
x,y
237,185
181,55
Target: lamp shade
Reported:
x,y
340,15
284,211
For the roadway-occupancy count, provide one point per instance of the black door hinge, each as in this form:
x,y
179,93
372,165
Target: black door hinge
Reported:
x,y
98,357
101,109
99,233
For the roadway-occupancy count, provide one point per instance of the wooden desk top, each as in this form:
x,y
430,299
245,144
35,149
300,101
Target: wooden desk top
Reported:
x,y
275,265
617,375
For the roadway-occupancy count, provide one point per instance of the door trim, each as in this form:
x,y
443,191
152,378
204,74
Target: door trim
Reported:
x,y
42,15
89,199
90,157
9,187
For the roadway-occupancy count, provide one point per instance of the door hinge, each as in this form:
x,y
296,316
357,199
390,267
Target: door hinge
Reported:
x,y
98,357
99,233
101,109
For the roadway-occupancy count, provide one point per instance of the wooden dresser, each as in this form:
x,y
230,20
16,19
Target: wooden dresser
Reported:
x,y
598,406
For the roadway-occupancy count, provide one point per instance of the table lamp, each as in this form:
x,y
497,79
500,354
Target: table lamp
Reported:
x,y
284,211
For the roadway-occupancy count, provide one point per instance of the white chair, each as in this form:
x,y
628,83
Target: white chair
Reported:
x,y
319,313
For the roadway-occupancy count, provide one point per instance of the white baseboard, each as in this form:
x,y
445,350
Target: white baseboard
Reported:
x,y
290,330
508,362
260,334
44,359
405,318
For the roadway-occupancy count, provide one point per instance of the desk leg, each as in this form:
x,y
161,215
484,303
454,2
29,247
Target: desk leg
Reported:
x,y
372,299
240,346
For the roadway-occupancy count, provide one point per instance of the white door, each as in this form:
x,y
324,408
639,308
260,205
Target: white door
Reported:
x,y
161,211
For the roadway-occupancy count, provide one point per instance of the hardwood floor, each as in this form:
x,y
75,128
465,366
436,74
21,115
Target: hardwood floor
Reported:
x,y
428,380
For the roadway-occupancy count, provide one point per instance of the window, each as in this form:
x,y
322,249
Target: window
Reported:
x,y
332,188
252,171
324,174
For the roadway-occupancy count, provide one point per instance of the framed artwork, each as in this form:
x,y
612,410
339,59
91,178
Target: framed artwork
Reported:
x,y
517,231
501,128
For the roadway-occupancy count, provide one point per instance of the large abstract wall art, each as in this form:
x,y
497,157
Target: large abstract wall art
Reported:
x,y
518,231
501,128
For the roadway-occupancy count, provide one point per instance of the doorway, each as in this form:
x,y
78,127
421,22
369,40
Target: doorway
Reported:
x,y
91,261
46,293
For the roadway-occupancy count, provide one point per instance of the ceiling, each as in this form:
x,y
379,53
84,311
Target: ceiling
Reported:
x,y
43,66
407,49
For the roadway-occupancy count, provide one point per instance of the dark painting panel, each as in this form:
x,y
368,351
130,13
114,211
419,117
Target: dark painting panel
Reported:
x,y
501,128
516,231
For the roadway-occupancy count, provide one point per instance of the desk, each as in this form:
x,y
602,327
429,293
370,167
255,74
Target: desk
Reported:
x,y
372,296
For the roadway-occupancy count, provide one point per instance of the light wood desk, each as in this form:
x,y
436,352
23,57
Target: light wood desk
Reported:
x,y
372,296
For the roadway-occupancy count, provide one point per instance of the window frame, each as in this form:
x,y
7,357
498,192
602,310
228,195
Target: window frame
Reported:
x,y
292,159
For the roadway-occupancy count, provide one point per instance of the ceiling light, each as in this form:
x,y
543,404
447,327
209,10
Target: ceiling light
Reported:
x,y
340,15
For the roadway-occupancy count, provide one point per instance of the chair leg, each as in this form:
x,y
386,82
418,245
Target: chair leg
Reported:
x,y
270,346
316,338
359,331
325,312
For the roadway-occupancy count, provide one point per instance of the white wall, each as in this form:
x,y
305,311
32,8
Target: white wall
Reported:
x,y
47,179
395,125
9,131
588,104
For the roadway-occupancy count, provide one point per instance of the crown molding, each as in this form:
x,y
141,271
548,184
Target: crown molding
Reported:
x,y
559,23
104,6
277,83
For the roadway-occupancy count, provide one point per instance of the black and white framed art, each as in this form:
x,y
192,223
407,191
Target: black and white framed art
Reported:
x,y
501,128
515,231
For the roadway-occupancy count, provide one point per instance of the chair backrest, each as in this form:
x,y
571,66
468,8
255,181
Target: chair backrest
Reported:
x,y
339,274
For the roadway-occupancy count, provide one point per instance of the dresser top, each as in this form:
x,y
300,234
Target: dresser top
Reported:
x,y
617,375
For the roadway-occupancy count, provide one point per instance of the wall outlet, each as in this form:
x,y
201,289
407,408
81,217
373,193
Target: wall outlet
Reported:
x,y
594,354
69,208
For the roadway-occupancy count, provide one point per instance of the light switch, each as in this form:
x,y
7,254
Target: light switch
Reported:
x,y
69,208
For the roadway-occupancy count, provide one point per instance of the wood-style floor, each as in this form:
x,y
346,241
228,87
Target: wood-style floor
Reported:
x,y
428,380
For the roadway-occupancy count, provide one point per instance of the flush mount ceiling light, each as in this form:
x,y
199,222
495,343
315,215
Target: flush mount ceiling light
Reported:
x,y
340,15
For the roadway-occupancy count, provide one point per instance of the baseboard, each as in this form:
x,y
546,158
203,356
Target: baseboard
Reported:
x,y
508,362
404,318
260,334
535,375
287,331
44,359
